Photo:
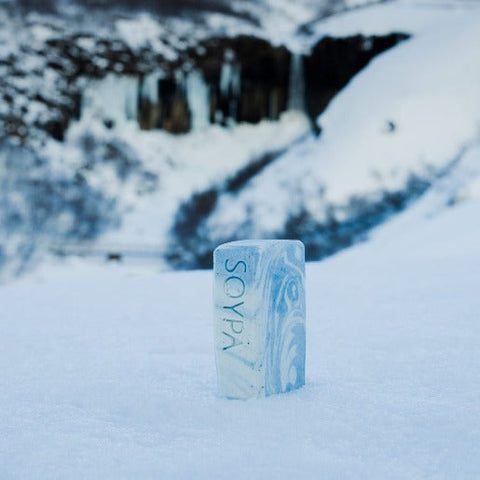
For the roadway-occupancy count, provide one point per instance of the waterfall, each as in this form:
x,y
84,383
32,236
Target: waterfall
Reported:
x,y
114,98
296,88
198,100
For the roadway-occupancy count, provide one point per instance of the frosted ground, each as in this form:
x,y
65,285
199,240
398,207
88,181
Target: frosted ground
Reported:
x,y
108,372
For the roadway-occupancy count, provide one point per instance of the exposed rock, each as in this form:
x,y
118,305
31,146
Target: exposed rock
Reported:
x,y
246,78
334,61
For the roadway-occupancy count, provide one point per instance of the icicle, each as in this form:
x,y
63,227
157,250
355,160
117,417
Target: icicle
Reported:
x,y
225,78
180,81
149,88
198,100
230,80
273,105
114,98
230,83
131,98
236,81
296,89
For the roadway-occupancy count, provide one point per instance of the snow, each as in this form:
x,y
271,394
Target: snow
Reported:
x,y
114,97
280,20
144,31
192,163
108,370
410,16
230,76
42,33
427,88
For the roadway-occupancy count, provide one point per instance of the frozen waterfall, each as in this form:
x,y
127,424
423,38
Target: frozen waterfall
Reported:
x,y
198,98
230,84
149,89
113,98
296,88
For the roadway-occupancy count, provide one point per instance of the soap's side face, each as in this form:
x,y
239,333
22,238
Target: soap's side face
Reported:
x,y
259,317
285,317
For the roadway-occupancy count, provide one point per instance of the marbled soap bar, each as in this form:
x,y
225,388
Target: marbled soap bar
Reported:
x,y
259,317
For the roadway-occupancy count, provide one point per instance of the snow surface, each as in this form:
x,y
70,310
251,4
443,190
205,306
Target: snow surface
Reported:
x,y
107,371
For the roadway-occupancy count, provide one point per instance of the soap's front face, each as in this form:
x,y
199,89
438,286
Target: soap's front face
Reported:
x,y
237,330
259,317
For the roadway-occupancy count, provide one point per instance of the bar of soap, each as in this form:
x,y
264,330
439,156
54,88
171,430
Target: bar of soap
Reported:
x,y
259,319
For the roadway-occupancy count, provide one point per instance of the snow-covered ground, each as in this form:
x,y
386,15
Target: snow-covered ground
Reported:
x,y
107,371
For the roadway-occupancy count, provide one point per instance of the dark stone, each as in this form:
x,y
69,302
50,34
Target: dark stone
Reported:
x,y
334,61
56,129
265,72
264,85
264,76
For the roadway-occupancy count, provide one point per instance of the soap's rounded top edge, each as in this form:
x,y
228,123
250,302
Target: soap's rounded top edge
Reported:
x,y
259,243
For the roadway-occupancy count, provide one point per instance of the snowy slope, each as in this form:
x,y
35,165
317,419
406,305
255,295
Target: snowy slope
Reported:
x,y
107,371
190,163
407,116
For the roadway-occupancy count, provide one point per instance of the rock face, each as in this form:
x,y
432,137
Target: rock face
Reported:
x,y
242,79
251,78
246,79
44,99
334,61
181,84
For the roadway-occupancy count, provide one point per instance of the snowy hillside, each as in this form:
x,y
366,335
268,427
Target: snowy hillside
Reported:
x,y
94,100
164,134
108,371
139,132
397,127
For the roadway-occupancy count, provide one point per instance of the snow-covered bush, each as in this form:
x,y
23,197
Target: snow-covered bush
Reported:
x,y
42,204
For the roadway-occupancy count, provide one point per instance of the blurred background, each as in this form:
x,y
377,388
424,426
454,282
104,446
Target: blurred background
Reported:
x,y
151,131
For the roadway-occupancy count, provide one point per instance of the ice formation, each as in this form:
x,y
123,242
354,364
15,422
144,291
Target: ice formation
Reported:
x,y
114,97
296,89
198,98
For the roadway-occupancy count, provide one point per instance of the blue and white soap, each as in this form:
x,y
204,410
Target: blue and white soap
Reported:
x,y
259,320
